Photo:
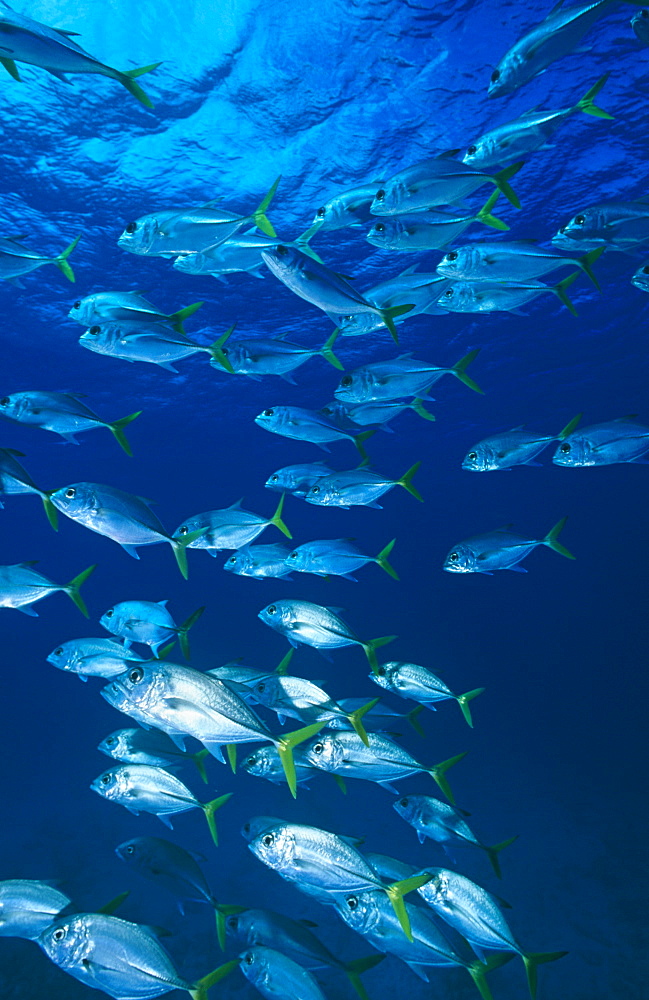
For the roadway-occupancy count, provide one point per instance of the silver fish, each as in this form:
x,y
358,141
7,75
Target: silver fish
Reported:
x,y
301,699
296,479
621,440
62,413
421,289
260,562
21,586
260,356
307,425
402,376
500,549
431,229
127,307
381,718
615,225
510,261
149,746
641,277
27,907
514,447
348,208
359,487
439,180
148,622
382,413
278,977
229,528
336,557
93,657
640,25
240,253
265,762
15,480
409,680
502,296
146,343
16,259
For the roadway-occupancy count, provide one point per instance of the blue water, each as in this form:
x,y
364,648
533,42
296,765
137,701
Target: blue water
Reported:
x,y
330,96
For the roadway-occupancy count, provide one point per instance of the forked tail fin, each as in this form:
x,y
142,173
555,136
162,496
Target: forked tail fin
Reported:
x,y
127,79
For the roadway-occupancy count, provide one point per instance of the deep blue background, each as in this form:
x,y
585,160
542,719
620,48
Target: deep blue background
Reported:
x,y
330,96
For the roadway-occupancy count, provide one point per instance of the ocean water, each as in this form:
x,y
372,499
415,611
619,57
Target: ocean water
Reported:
x,y
330,96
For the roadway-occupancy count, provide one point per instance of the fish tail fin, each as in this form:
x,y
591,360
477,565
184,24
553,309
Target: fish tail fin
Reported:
x,y
478,971
113,904
587,102
163,653
73,587
460,367
302,242
282,666
569,428
127,79
388,316
285,746
406,482
358,441
438,774
179,545
463,701
418,406
209,808
397,890
184,629
221,911
199,990
355,969
327,352
50,509
382,560
533,960
117,430
371,648
413,719
178,318
259,215
216,352
199,761
492,853
356,717
10,67
485,216
62,260
276,519
231,750
560,291
588,259
551,539
501,181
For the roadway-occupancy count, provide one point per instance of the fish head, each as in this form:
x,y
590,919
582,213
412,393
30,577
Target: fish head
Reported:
x,y
16,407
279,616
238,356
257,966
114,619
82,309
385,232
116,744
64,656
360,910
461,559
409,807
238,563
258,825
138,236
194,523
260,762
100,339
194,263
438,891
267,691
324,752
358,324
144,684
482,151
275,846
576,450
322,493
278,481
455,263
132,852
332,215
284,261
460,297
587,228
76,500
67,941
111,784
273,418
504,79
481,458
390,199
387,676
298,559
355,387
641,277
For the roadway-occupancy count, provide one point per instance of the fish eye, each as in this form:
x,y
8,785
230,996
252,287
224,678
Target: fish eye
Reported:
x,y
232,922
232,560
271,609
70,493
274,478
77,305
352,902
261,687
59,934
94,330
246,827
579,220
403,803
183,530
225,350
472,456
452,255
267,413
349,319
380,195
111,741
453,557
281,250
110,613
379,228
448,293
132,226
321,212
381,671
495,76
130,849
135,675
4,401
346,381
565,448
472,149
293,555
58,652
318,748
645,269
268,839
315,489
249,958
105,779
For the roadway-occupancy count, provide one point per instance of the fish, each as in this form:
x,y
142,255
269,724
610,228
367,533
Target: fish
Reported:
x,y
557,36
383,381
127,307
445,824
382,413
120,958
265,762
359,487
317,626
296,479
124,517
350,207
531,131
337,557
15,480
381,760
16,259
640,25
440,180
24,40
615,225
93,657
294,938
260,562
149,746
260,356
431,229
369,915
168,233
409,680
502,296
240,253
147,343
150,623
621,440
229,528
300,424
316,858
185,702
420,289
519,261
298,698
500,549
143,788
242,679
63,413
514,447
278,977
324,288
641,278
475,914
21,586
28,907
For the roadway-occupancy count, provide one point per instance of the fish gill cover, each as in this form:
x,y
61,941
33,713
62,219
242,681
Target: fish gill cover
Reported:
x,y
329,98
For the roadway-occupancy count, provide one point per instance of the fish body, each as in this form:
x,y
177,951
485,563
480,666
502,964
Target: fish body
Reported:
x,y
15,480
264,356
125,307
640,25
260,562
144,746
21,586
278,977
28,907
615,225
429,230
641,278
439,180
330,557
297,479
348,208
357,487
228,528
500,549
168,865
93,657
404,376
300,424
609,443
420,290
371,414
239,253
484,296
62,413
147,622
381,718
295,697
147,343
515,447
265,762
143,788
409,680
555,37
507,261
275,930
16,259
